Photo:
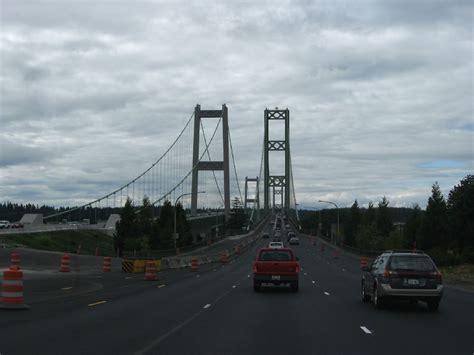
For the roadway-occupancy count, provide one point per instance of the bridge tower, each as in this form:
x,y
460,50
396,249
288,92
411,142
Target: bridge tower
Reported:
x,y
256,199
280,184
210,165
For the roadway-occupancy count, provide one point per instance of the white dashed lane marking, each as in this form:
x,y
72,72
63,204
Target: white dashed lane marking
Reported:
x,y
233,286
366,331
66,288
313,281
327,293
96,303
207,306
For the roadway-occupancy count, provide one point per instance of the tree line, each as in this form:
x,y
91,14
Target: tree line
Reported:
x,y
139,230
445,229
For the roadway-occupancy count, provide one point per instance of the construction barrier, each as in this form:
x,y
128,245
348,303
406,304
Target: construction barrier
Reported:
x,y
15,261
150,271
137,266
107,265
364,261
65,263
194,264
127,265
12,290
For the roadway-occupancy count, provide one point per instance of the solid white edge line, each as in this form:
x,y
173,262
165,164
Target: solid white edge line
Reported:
x,y
367,331
207,306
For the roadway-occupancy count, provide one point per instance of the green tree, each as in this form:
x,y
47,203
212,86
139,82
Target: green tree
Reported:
x,y
238,217
383,219
126,228
461,213
434,228
182,227
366,237
412,230
165,226
352,225
145,224
369,216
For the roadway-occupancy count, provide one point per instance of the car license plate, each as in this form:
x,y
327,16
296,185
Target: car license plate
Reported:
x,y
275,277
413,282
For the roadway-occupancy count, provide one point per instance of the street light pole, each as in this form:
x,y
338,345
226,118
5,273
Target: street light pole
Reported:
x,y
337,226
175,237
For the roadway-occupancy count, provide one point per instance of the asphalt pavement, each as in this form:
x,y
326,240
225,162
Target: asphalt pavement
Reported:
x,y
216,311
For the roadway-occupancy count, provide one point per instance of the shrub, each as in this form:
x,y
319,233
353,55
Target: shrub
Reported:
x,y
468,255
442,258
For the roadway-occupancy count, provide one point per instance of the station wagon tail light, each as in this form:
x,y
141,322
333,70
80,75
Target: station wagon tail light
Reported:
x,y
254,268
297,269
436,275
389,273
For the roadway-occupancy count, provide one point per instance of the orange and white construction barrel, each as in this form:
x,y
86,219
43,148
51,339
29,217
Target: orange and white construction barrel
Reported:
x,y
107,265
150,271
65,263
12,290
15,261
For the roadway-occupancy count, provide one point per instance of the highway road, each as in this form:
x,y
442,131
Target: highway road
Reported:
x,y
216,311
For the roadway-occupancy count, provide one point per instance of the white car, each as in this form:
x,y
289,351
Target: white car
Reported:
x,y
4,224
276,245
294,241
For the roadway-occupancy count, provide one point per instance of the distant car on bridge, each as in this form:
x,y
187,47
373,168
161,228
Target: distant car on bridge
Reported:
x,y
4,224
276,245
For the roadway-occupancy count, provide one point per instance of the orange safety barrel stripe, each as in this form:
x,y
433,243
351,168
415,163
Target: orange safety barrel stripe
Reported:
x,y
13,300
12,275
11,288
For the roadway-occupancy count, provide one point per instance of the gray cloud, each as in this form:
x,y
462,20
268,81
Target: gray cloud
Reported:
x,y
92,94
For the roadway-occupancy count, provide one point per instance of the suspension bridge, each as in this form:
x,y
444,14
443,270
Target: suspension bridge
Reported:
x,y
199,169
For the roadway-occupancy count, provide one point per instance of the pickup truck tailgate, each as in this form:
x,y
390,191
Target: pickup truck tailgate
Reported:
x,y
276,267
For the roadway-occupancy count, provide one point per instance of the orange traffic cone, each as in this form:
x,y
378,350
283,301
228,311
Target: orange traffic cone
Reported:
x,y
15,261
107,265
194,264
65,263
150,271
12,290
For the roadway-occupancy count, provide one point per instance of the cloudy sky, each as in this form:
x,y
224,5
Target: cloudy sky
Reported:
x,y
380,92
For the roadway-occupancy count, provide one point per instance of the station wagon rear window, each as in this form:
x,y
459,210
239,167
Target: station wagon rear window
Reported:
x,y
411,263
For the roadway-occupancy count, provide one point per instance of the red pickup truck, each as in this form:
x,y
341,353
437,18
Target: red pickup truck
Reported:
x,y
276,266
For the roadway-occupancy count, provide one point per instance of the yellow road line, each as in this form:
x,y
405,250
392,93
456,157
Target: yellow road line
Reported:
x,y
96,303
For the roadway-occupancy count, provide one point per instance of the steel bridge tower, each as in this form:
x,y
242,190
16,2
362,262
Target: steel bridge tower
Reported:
x,y
280,184
254,200
210,165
